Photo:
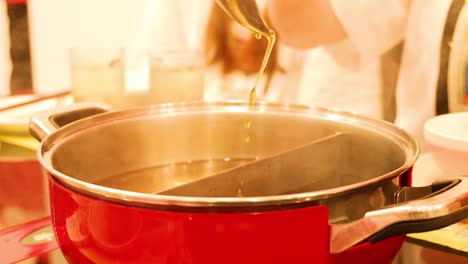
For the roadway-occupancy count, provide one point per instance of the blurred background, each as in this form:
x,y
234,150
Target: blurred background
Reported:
x,y
126,53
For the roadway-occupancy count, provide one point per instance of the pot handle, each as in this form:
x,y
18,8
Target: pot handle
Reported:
x,y
27,240
441,208
45,123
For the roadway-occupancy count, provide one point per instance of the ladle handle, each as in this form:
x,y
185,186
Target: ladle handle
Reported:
x,y
444,207
27,240
45,123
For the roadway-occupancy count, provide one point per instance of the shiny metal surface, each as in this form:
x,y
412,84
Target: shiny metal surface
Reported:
x,y
246,13
454,200
118,143
329,162
304,165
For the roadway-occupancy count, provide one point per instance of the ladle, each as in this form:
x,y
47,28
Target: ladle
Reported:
x,y
246,13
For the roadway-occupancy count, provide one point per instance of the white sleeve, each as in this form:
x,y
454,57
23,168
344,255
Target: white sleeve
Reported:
x,y
373,26
5,60
419,71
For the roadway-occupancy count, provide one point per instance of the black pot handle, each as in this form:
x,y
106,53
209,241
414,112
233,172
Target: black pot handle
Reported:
x,y
447,205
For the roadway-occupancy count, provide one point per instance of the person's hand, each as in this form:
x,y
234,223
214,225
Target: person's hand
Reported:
x,y
305,23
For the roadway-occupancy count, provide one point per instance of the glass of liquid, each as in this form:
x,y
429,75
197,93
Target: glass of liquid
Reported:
x,y
97,74
176,76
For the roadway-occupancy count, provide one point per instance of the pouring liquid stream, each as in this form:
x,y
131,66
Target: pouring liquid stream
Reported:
x,y
271,38
247,14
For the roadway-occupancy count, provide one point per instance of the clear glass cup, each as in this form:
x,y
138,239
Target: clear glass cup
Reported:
x,y
176,76
97,74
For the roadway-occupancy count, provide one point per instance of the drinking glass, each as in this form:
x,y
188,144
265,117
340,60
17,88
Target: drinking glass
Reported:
x,y
97,74
176,76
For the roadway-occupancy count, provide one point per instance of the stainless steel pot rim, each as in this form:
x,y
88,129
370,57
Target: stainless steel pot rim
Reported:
x,y
149,200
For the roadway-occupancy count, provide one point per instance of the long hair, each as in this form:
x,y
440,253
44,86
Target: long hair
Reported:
x,y
216,48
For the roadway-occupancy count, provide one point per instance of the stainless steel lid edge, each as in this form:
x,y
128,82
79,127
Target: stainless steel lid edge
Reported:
x,y
150,200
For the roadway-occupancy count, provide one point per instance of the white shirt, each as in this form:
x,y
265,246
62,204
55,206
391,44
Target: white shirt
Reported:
x,y
328,81
374,27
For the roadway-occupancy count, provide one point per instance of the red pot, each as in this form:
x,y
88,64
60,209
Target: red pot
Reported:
x,y
104,208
